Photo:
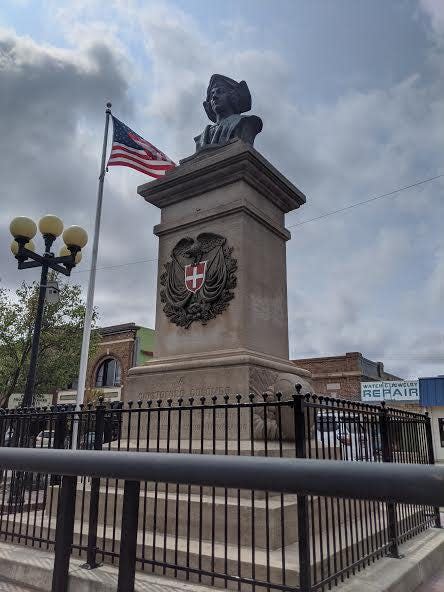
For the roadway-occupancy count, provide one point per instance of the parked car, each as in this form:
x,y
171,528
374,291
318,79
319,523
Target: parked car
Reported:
x,y
327,424
8,438
45,439
88,440
111,430
353,439
376,443
357,438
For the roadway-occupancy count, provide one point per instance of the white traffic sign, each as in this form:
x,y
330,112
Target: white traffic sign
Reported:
x,y
52,295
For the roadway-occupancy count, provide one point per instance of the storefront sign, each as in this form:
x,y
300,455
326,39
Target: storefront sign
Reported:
x,y
405,390
40,400
108,394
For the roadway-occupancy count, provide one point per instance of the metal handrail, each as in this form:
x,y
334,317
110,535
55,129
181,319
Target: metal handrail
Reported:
x,y
212,428
403,483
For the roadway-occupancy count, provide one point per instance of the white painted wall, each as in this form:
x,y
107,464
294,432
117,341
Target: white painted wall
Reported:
x,y
109,394
435,414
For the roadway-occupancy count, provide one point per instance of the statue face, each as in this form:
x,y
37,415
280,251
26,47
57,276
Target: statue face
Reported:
x,y
220,100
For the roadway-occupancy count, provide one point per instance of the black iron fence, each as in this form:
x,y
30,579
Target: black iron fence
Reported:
x,y
218,535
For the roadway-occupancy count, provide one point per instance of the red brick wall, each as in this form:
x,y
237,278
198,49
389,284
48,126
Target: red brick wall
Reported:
x,y
119,346
349,387
332,364
341,376
329,372
347,371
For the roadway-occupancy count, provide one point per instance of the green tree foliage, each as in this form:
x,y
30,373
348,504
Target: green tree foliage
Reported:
x,y
60,339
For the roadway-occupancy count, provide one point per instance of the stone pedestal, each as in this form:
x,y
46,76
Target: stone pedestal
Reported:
x,y
236,193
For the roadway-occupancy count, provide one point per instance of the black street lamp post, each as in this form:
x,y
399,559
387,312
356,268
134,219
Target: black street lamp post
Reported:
x,y
23,230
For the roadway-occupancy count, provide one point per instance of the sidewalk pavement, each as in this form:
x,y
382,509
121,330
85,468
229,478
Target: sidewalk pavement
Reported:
x,y
10,587
434,584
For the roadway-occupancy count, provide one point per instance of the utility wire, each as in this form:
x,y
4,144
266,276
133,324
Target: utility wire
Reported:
x,y
435,357
116,265
366,201
320,217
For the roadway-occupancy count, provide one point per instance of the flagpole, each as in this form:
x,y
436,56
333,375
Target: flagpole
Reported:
x,y
92,282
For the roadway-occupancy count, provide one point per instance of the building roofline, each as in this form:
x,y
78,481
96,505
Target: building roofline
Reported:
x,y
111,329
321,358
351,356
441,376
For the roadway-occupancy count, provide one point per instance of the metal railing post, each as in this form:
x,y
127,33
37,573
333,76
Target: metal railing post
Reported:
x,y
64,534
387,457
2,438
428,427
61,429
18,478
94,498
303,517
128,539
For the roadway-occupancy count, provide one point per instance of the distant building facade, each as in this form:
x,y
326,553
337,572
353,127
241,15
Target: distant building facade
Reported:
x,y
431,391
120,348
341,376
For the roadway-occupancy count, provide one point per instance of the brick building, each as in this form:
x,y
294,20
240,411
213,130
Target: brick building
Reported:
x,y
341,376
120,348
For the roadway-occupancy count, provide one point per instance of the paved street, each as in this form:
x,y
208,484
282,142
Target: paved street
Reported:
x,y
435,584
9,587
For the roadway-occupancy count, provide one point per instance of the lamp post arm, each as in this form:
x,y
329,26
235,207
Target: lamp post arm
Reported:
x,y
59,268
52,262
25,253
28,264
69,259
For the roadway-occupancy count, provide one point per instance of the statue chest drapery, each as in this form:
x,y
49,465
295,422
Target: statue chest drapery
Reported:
x,y
219,133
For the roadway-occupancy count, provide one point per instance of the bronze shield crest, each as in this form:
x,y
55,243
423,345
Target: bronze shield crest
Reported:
x,y
198,280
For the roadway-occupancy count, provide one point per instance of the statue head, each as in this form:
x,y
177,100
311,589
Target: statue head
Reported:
x,y
225,97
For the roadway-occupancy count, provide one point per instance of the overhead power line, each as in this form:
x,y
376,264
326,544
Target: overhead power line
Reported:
x,y
433,357
320,217
116,265
366,201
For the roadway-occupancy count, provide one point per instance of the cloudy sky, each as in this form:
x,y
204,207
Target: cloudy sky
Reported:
x,y
351,94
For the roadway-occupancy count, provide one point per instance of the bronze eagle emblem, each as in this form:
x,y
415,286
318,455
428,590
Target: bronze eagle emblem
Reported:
x,y
198,280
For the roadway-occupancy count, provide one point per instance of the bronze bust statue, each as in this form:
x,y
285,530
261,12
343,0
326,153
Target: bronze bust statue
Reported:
x,y
226,100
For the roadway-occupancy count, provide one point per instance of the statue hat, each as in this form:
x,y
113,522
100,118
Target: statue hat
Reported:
x,y
240,88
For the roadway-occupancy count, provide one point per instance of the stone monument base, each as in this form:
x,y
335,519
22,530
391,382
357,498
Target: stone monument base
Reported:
x,y
214,377
227,372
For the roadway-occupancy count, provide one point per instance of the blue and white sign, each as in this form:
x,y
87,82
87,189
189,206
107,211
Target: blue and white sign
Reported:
x,y
404,390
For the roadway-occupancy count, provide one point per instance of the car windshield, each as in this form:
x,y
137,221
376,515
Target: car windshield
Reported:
x,y
327,423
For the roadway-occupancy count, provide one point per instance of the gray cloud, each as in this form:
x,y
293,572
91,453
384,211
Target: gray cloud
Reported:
x,y
369,279
51,142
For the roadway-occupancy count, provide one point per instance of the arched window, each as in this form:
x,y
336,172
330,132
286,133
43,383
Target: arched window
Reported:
x,y
108,373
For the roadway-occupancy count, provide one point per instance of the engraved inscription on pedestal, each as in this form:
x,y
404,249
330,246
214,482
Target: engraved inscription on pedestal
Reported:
x,y
176,390
172,395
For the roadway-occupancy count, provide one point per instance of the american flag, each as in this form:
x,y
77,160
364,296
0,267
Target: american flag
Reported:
x,y
130,150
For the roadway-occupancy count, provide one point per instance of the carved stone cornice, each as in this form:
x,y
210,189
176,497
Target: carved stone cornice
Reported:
x,y
216,168
218,212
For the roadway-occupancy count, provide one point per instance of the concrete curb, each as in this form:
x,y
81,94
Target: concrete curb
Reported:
x,y
33,568
423,556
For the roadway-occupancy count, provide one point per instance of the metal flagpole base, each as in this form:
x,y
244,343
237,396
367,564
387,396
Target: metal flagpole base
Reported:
x,y
90,566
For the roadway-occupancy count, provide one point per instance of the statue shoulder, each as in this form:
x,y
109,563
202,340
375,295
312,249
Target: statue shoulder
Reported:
x,y
244,127
203,134
248,128
253,121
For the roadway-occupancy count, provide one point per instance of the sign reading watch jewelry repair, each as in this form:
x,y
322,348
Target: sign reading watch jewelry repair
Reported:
x,y
404,390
